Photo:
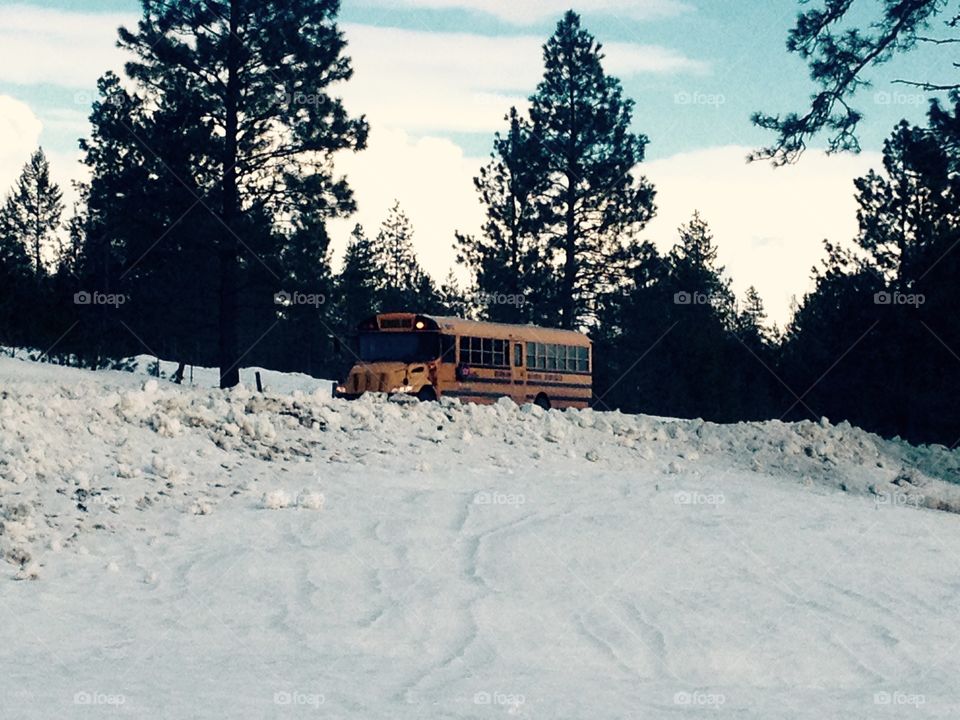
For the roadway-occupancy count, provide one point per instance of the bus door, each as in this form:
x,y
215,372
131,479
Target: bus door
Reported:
x,y
518,363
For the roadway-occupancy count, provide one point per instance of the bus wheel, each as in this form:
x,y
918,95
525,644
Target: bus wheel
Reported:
x,y
542,401
427,394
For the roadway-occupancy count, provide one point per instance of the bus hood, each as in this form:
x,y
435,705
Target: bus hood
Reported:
x,y
386,377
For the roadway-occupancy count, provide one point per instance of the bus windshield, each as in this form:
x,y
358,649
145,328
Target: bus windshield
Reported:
x,y
399,347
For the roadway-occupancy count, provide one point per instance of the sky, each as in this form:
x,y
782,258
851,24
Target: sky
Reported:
x,y
436,77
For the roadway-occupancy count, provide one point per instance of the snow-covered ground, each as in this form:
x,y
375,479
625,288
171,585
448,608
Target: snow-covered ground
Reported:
x,y
201,554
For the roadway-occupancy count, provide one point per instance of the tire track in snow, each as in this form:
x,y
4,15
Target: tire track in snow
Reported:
x,y
470,569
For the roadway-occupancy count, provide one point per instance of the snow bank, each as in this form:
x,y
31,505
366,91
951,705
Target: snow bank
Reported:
x,y
200,553
92,448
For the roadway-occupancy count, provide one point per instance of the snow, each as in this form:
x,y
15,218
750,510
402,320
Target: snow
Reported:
x,y
181,551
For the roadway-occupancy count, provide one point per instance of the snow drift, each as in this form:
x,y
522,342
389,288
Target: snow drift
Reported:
x,y
204,553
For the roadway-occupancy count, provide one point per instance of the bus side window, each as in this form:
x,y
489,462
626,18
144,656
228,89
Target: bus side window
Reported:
x,y
448,348
517,355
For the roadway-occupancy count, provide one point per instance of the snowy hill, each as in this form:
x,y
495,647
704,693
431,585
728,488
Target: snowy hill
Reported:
x,y
207,554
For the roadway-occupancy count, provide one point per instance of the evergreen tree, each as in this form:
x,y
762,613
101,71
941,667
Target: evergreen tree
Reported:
x,y
874,340
32,211
631,363
703,308
359,282
829,349
16,286
669,344
699,280
839,54
406,287
509,259
752,364
904,211
452,299
751,322
307,275
255,78
592,206
145,234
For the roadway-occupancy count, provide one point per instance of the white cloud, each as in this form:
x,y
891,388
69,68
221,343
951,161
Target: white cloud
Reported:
x,y
20,132
769,223
57,47
425,81
432,180
529,11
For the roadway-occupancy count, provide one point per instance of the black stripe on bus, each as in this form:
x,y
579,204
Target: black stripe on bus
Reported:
x,y
475,393
565,398
559,384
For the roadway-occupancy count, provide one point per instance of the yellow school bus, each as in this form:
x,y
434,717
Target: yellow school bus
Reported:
x,y
432,356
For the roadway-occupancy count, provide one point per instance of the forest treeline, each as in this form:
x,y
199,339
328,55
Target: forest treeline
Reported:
x,y
201,237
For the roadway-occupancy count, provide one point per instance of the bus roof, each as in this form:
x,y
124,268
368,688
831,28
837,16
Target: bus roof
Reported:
x,y
477,328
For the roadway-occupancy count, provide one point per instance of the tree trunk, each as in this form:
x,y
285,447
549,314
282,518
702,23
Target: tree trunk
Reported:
x,y
569,267
567,299
229,247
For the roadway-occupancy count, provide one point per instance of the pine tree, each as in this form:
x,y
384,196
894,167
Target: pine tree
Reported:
x,y
32,211
509,259
452,300
406,287
751,322
593,206
256,78
305,264
839,54
359,283
905,210
16,276
703,310
873,340
145,234
699,280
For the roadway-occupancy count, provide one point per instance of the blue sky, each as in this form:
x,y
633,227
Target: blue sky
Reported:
x,y
436,76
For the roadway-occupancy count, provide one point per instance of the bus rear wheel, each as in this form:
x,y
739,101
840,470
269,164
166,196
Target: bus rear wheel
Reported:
x,y
542,401
427,394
